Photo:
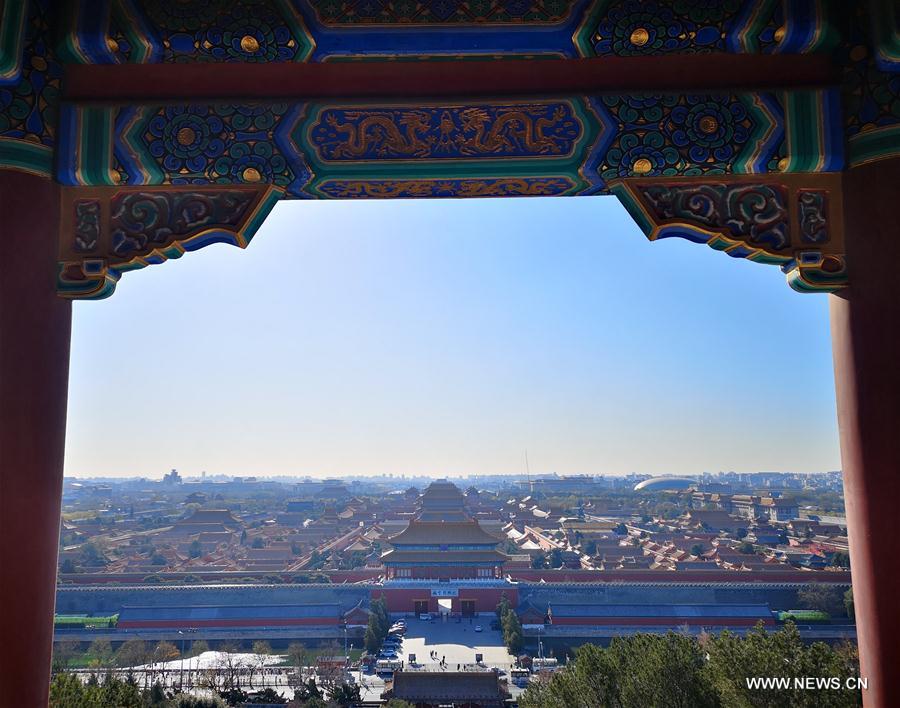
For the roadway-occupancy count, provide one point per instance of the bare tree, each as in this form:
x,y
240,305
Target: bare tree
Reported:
x,y
232,665
299,656
102,653
261,651
165,652
331,673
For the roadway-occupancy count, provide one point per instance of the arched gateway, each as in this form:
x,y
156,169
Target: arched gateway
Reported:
x,y
132,131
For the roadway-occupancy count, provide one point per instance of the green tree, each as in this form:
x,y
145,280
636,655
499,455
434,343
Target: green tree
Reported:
x,y
539,561
818,596
187,700
697,549
91,556
663,671
379,625
779,654
258,543
849,607
267,696
346,694
68,566
198,647
195,550
556,560
512,632
68,691
841,560
678,671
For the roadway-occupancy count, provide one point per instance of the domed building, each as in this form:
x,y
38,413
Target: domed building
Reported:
x,y
665,484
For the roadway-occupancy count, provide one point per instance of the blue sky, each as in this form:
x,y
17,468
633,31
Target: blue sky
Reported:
x,y
446,337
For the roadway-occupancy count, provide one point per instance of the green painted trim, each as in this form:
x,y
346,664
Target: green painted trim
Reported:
x,y
68,49
26,156
12,40
95,146
806,280
749,38
581,38
261,213
802,118
886,31
765,123
633,207
879,144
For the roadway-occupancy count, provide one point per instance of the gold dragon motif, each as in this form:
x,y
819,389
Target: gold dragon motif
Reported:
x,y
514,124
511,186
380,134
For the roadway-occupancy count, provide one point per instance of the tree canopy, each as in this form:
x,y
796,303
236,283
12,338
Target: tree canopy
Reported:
x,y
680,671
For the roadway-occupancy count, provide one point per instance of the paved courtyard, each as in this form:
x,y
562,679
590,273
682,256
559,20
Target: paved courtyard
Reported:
x,y
457,641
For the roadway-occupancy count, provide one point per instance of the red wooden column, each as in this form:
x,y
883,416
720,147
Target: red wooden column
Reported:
x,y
865,326
34,368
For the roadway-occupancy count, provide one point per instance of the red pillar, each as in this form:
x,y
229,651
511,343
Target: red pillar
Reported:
x,y
34,368
865,326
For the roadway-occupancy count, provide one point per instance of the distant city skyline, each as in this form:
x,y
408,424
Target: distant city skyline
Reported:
x,y
444,338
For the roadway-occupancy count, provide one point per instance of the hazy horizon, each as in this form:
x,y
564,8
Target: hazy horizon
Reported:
x,y
444,338
461,475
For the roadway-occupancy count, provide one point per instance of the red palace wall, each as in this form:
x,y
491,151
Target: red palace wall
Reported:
x,y
681,576
250,622
663,621
404,599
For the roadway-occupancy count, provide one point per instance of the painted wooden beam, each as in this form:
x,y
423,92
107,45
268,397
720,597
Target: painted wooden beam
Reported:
x,y
137,83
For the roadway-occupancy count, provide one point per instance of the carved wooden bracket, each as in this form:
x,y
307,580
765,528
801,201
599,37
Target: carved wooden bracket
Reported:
x,y
791,220
106,231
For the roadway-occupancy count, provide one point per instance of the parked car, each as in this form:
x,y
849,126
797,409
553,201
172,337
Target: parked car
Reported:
x,y
479,628
425,617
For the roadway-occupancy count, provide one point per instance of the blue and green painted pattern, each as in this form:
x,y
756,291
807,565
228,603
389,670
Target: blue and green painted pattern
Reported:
x,y
760,220
13,15
645,27
871,84
885,27
29,89
328,150
113,31
153,227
